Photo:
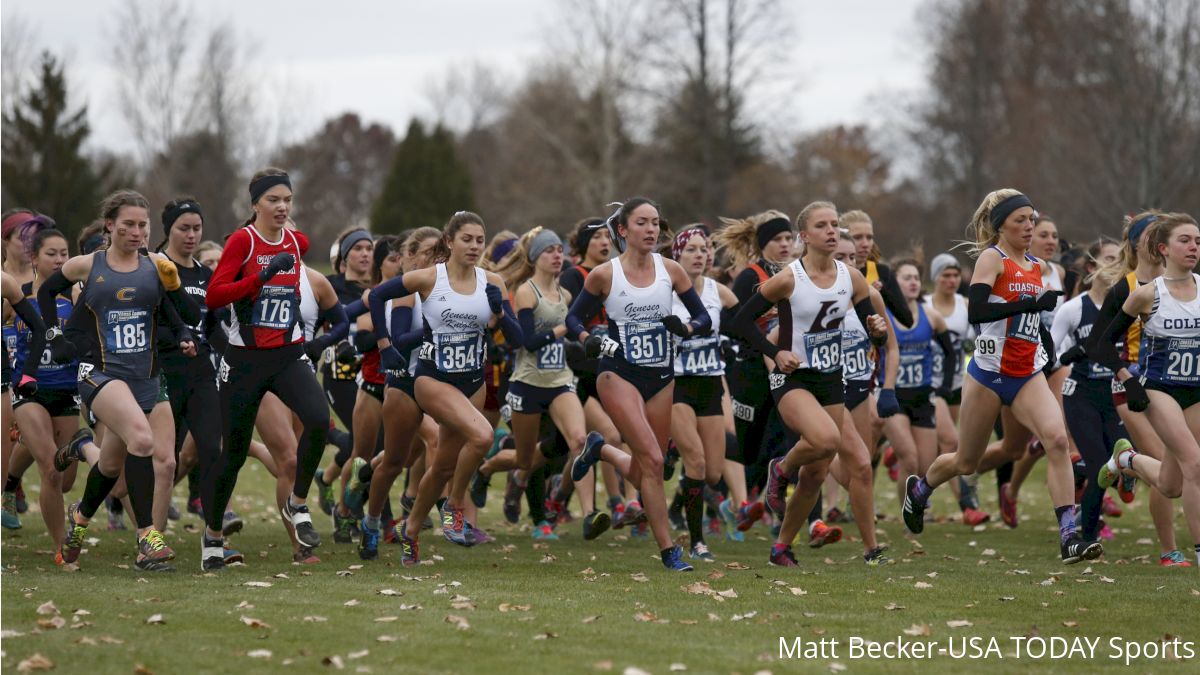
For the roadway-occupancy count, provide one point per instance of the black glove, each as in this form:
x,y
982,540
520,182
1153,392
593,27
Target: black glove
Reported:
x,y
887,405
676,326
344,352
1135,395
574,353
27,386
62,350
1048,300
392,361
591,346
280,263
495,298
364,341
1073,355
312,350
727,351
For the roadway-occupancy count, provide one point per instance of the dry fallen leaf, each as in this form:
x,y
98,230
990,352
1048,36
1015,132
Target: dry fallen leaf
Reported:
x,y
549,558
1071,624
254,623
507,607
386,638
959,623
639,577
258,584
52,623
140,669
156,618
798,591
244,605
592,619
85,640
390,592
645,617
698,588
335,661
736,566
312,618
350,603
545,636
917,629
603,665
922,584
259,653
459,622
110,640
45,609
633,670
678,667
404,608
386,619
35,662
892,607
357,655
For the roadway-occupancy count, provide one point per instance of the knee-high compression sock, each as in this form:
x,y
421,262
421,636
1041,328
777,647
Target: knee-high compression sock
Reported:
x,y
11,483
815,514
1004,473
95,490
1065,515
535,493
693,507
139,478
344,444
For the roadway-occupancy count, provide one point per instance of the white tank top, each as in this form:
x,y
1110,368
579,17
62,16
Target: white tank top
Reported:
x,y
1171,338
455,324
812,328
310,311
959,328
635,316
700,355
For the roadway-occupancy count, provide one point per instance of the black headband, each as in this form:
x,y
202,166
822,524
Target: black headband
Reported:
x,y
771,229
260,186
584,238
172,213
1001,211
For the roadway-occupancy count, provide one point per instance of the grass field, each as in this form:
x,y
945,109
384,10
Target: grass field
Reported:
x,y
604,606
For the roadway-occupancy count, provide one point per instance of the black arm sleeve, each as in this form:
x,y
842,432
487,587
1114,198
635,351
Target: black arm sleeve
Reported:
x,y
743,289
533,340
950,362
1103,349
214,329
701,322
1114,300
893,298
51,288
37,335
1048,344
405,341
744,324
339,326
186,308
582,310
979,310
509,326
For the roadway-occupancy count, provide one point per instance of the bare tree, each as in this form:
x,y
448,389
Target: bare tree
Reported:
x,y
18,57
467,97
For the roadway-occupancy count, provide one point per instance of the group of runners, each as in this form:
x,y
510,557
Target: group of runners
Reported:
x,y
709,379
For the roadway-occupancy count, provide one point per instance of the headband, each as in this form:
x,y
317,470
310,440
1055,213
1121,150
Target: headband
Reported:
x,y
259,187
682,239
771,229
1001,211
350,240
542,241
1139,226
16,220
502,249
172,213
584,238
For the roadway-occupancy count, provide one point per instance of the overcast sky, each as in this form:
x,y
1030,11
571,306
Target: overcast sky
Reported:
x,y
377,57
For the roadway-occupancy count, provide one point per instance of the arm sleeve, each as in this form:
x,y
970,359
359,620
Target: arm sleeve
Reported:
x,y
214,329
174,323
743,289
744,325
572,280
533,340
356,309
1114,300
1066,320
225,286
47,304
509,326
187,309
1048,344
582,310
701,322
979,310
37,334
339,326
1103,348
403,342
893,298
388,290
951,360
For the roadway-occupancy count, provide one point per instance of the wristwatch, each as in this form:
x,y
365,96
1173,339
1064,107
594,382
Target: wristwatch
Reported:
x,y
53,333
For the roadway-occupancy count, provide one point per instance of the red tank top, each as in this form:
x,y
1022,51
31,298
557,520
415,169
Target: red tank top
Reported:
x,y
269,318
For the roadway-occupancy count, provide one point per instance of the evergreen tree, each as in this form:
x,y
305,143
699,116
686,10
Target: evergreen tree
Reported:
x,y
427,183
43,163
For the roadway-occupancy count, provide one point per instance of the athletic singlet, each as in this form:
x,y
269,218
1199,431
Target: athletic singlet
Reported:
x,y
1052,282
1171,338
123,306
271,318
310,310
959,327
858,354
50,375
635,316
1012,346
916,351
811,328
546,367
700,355
455,325
1132,344
1073,324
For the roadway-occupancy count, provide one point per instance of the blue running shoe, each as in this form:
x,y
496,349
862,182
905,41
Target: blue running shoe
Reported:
x,y
455,527
543,532
325,493
368,543
672,559
735,535
588,457
11,520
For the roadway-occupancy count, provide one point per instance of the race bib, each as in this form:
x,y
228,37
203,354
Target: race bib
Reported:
x,y
1182,357
275,307
1068,387
646,344
458,352
823,350
856,356
912,371
701,356
128,331
552,356
1025,327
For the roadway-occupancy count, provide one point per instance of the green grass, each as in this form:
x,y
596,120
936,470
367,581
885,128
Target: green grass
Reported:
x,y
580,621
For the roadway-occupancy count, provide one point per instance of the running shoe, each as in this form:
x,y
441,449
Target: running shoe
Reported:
x,y
194,506
725,510
700,552
454,526
748,514
409,548
513,489
231,524
836,515
212,553
783,557
368,543
588,457
480,536
153,553
554,508
1126,488
775,492
972,517
1109,508
1008,506
1173,559
1107,477
735,535
343,528
173,512
325,493
390,535
22,504
479,488
640,531
72,450
892,462
406,504
876,557
673,560
356,488
914,509
820,534
300,519
1076,549
305,556
670,460
1106,532
618,515
712,526
543,532
233,556
73,543
595,524
116,514
633,514
11,520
